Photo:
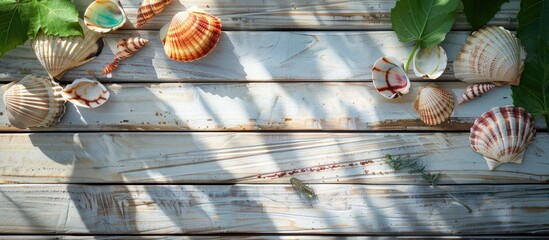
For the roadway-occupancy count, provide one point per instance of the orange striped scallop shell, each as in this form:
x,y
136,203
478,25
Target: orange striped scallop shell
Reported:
x,y
190,35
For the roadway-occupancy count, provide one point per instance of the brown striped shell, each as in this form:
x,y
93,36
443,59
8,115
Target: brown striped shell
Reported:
x,y
125,49
389,78
86,93
502,134
149,8
190,35
34,102
474,91
434,105
491,54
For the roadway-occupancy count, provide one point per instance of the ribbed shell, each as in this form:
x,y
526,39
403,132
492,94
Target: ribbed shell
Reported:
x,y
502,134
86,93
389,78
491,54
474,91
59,54
125,49
434,105
34,102
149,8
190,35
104,16
430,62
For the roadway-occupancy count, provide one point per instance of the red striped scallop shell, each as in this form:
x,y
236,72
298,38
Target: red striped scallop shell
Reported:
x,y
502,134
434,105
190,35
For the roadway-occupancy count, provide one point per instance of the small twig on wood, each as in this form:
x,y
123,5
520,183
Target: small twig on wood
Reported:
x,y
302,188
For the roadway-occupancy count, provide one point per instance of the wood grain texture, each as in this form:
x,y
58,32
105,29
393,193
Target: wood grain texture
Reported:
x,y
254,158
339,208
264,106
294,14
254,237
244,56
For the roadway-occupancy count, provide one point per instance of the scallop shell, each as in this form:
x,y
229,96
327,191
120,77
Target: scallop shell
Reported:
x,y
104,16
474,91
190,35
125,49
86,93
149,8
502,134
491,54
34,102
59,54
430,62
389,78
434,105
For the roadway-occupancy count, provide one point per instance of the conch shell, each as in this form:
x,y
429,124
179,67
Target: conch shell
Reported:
x,y
125,49
502,134
104,16
33,102
389,78
190,35
474,91
434,105
430,62
149,8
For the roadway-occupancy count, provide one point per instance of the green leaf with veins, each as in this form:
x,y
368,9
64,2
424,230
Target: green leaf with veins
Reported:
x,y
12,26
479,12
59,17
533,23
424,22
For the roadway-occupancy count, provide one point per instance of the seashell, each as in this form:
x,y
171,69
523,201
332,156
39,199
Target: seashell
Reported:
x,y
190,35
34,102
86,93
430,62
502,134
491,54
474,91
434,105
125,49
149,8
104,16
59,54
389,78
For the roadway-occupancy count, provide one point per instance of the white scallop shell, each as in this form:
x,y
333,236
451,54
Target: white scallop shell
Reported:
x,y
59,54
434,105
502,134
33,102
430,62
389,78
86,93
104,16
491,54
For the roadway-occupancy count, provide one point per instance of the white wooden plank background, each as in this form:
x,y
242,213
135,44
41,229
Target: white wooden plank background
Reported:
x,y
254,158
341,208
297,14
264,106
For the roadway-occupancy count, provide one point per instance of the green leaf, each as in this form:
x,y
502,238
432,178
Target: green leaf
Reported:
x,y
479,12
533,19
533,92
12,26
424,21
59,17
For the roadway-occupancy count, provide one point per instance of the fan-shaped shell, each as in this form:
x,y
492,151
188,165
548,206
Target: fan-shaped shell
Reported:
x,y
125,49
389,78
34,102
474,91
149,8
434,105
86,93
190,35
59,54
491,54
502,134
430,62
104,16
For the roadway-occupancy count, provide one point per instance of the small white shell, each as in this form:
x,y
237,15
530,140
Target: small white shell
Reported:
x,y
434,105
86,93
430,62
389,78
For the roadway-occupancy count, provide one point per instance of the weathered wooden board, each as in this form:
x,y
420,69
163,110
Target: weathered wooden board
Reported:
x,y
254,158
245,56
255,237
339,208
264,106
295,14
